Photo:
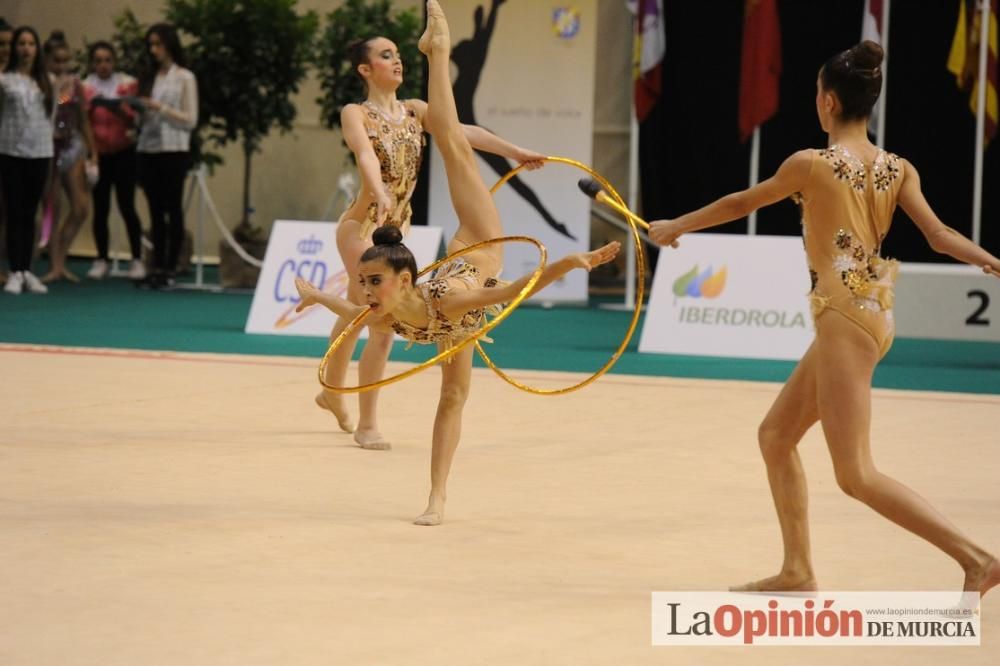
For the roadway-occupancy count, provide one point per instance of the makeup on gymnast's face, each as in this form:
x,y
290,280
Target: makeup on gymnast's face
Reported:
x,y
380,286
385,62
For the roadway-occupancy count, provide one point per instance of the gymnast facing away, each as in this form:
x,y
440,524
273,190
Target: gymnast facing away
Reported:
x,y
847,193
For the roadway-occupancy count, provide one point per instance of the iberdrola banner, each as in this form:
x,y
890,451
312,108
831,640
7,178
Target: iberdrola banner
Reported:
x,y
525,71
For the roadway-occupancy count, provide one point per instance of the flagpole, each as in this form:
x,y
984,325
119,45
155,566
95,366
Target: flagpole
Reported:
x,y
977,191
754,176
880,131
633,205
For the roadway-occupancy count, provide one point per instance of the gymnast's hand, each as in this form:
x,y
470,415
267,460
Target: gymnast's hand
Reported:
x,y
529,159
992,270
308,294
665,232
383,204
593,259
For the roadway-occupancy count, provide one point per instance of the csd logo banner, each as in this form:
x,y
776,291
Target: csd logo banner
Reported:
x,y
309,250
734,296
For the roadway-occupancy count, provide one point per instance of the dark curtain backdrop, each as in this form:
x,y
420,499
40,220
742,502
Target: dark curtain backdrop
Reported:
x,y
690,153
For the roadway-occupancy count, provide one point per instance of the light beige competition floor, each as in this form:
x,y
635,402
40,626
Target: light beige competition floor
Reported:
x,y
185,509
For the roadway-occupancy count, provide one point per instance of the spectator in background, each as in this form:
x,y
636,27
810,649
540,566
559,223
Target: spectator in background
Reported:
x,y
6,34
26,105
75,154
113,124
169,95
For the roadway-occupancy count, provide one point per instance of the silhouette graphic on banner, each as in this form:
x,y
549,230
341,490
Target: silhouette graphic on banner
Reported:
x,y
470,57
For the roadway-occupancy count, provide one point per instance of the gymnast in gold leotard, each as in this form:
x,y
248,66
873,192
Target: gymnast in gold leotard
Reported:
x,y
847,192
847,208
386,136
449,307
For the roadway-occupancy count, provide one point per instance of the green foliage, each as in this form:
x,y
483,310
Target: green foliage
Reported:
x,y
360,19
249,57
128,40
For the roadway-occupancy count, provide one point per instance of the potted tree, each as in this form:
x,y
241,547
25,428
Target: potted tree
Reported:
x,y
249,57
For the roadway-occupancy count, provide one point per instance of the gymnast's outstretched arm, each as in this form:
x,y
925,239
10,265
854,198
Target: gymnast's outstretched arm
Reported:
x,y
942,238
456,303
310,295
481,138
791,177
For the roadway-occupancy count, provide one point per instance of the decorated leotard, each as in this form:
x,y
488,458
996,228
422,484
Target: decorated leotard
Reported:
x,y
847,209
398,144
456,274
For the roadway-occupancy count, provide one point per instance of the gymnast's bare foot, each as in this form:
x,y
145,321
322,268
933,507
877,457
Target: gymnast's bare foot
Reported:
x,y
56,276
783,582
982,578
433,514
334,404
372,440
436,37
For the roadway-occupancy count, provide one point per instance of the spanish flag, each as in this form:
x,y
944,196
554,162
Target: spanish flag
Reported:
x,y
963,61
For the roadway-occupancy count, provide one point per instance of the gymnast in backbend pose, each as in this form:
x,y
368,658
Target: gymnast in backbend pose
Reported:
x,y
847,193
449,307
386,136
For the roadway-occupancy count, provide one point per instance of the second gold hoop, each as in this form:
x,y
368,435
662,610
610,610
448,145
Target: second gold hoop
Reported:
x,y
451,351
640,262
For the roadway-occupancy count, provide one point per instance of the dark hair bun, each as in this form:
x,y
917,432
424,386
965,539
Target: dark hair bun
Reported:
x,y
57,36
387,235
867,55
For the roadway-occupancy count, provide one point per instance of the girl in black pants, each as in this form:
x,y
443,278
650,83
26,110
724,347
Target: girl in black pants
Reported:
x,y
113,125
26,103
169,94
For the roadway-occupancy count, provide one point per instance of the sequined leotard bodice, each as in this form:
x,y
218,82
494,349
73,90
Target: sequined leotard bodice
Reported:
x,y
847,209
399,148
456,274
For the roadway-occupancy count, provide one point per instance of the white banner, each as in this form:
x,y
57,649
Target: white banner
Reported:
x,y
947,302
734,296
507,57
309,250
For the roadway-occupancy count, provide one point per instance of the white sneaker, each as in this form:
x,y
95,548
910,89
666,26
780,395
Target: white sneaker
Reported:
x,y
136,270
98,270
15,283
33,284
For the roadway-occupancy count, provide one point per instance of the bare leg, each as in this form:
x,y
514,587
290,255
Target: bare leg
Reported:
x,y
351,246
847,357
455,380
791,415
336,373
477,214
371,369
75,184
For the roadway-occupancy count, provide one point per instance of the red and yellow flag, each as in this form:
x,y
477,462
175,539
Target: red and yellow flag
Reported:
x,y
963,60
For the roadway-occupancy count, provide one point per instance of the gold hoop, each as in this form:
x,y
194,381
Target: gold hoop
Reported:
x,y
447,353
640,262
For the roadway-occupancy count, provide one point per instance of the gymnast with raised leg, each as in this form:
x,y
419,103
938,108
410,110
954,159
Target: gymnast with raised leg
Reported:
x,y
386,136
847,193
450,307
